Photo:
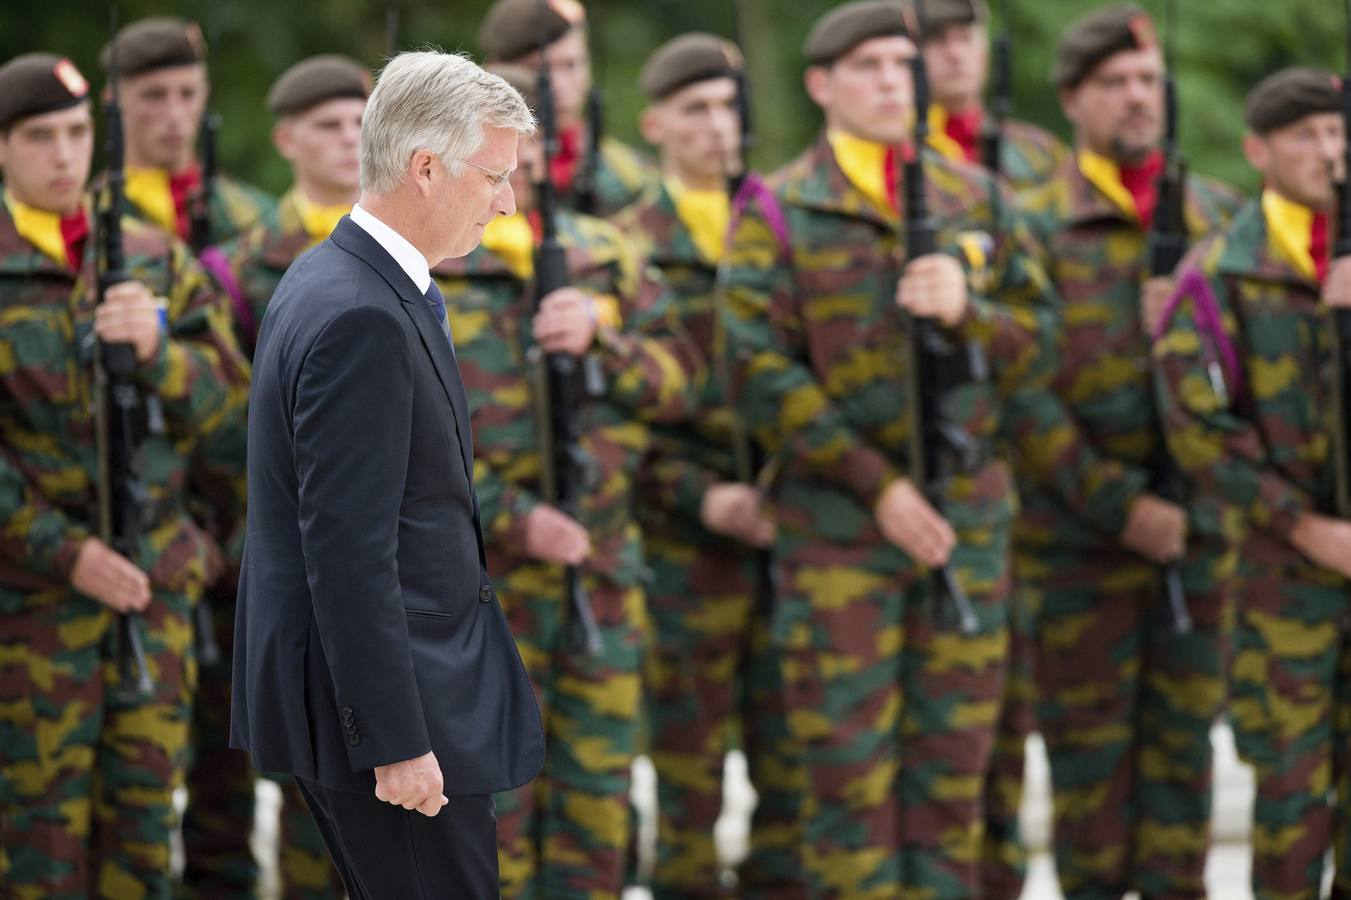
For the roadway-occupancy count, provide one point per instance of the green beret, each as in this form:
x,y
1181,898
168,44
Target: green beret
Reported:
x,y
850,24
524,80
156,43
1093,38
315,80
38,83
684,60
516,28
939,14
1289,95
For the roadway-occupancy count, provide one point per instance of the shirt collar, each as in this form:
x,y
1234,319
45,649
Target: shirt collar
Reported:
x,y
397,246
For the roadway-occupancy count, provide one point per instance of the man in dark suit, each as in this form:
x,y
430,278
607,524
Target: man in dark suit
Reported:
x,y
372,660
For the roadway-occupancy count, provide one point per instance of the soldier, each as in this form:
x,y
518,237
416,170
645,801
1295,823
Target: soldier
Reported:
x,y
710,670
164,90
1125,703
894,707
598,179
318,105
88,764
565,834
957,55
1246,358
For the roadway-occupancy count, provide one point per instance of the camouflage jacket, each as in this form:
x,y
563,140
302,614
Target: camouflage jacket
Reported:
x,y
651,372
1096,256
622,175
1252,434
235,207
258,259
819,359
1028,155
49,462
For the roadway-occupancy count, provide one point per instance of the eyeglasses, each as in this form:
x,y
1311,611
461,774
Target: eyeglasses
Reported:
x,y
496,179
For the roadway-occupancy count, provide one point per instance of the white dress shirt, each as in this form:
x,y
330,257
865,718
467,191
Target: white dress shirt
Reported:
x,y
397,246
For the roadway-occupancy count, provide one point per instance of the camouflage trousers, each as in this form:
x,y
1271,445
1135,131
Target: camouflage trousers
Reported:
x,y
1004,857
1291,712
564,835
712,684
1125,706
218,822
88,765
894,709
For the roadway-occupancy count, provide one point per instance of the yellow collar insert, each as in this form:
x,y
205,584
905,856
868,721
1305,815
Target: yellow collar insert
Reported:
x,y
40,228
512,240
707,215
864,163
1290,231
1105,175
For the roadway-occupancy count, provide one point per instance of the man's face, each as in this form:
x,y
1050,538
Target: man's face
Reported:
x,y
472,199
1117,111
46,158
697,129
956,57
1304,160
161,112
323,144
570,72
868,92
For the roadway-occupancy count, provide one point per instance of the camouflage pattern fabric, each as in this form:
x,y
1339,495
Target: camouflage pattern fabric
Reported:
x,y
622,176
1259,449
565,834
259,257
1125,705
87,769
711,681
1028,155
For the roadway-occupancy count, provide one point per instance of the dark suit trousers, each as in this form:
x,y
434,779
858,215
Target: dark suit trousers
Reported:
x,y
385,852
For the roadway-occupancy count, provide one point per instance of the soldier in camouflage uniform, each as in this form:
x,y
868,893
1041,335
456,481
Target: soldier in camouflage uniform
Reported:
x,y
894,706
1246,359
164,91
88,764
1125,704
597,181
318,105
709,672
565,835
957,56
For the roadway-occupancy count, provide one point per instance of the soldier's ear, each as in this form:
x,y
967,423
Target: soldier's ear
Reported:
x,y
817,82
281,138
649,125
1256,152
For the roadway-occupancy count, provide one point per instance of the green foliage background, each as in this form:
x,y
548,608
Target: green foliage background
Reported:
x,y
1223,47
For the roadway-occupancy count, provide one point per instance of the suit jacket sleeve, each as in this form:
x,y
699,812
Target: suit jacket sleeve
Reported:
x,y
352,423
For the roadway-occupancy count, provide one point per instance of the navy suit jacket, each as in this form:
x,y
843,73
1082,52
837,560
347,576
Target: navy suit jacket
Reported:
x,y
367,630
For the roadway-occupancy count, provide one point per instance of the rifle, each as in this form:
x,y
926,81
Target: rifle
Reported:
x,y
564,462
391,31
1167,246
743,106
1341,318
937,447
588,198
199,228
120,408
1001,94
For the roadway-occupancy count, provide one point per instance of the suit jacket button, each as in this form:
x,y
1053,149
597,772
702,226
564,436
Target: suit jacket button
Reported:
x,y
487,594
353,739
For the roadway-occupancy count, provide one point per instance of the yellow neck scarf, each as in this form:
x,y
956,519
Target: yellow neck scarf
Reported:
x,y
938,135
864,164
148,190
1290,232
511,239
40,228
707,215
317,219
1105,175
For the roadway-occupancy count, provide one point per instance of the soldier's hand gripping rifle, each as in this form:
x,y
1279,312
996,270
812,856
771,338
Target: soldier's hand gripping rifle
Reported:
x,y
1341,318
121,411
1167,246
563,462
937,446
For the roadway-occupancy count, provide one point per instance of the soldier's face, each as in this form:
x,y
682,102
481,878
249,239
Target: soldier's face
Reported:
x,y
323,145
868,92
956,58
161,112
529,170
1117,110
570,72
463,204
697,129
1304,160
46,158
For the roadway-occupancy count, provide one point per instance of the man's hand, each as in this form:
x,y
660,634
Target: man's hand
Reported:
x,y
1325,541
911,523
105,575
734,510
128,315
1156,529
1337,287
555,537
1153,298
412,784
934,287
566,322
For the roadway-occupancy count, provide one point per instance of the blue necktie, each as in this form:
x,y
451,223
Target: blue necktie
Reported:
x,y
438,304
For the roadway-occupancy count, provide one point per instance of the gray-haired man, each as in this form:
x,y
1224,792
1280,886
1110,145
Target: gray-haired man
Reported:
x,y
372,660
